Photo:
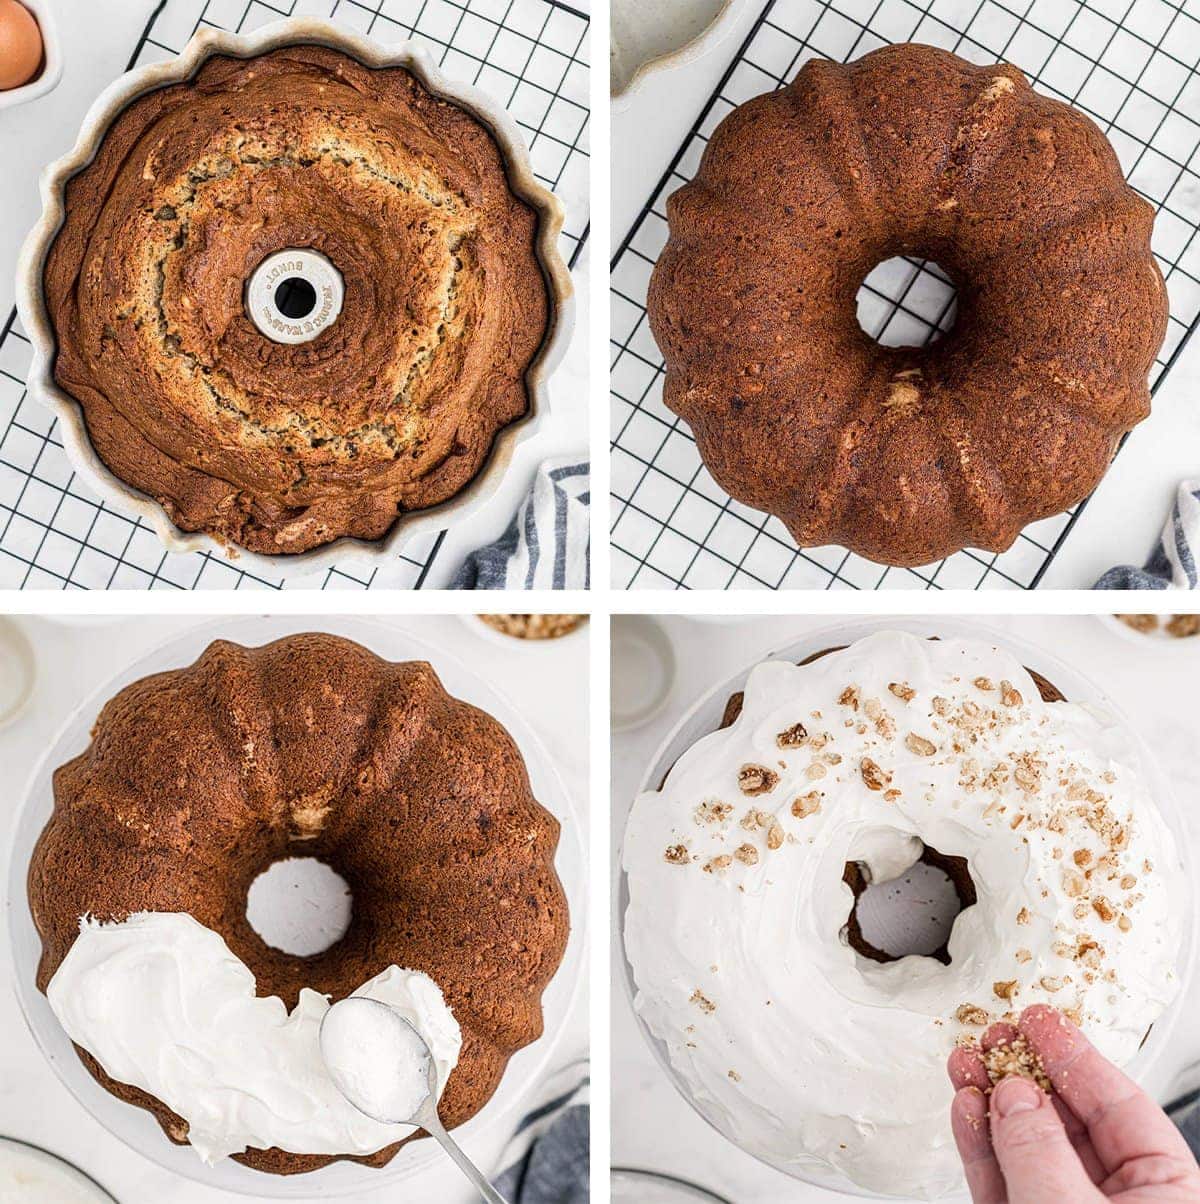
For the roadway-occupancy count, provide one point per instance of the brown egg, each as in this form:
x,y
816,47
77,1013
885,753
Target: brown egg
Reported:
x,y
20,45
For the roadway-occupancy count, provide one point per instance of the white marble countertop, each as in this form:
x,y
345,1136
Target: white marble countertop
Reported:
x,y
548,686
1124,517
652,1125
98,37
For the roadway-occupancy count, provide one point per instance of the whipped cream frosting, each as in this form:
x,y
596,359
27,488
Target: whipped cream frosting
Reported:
x,y
795,1046
162,1004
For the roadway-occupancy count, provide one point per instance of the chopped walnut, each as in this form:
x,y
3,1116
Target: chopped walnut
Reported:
x,y
919,745
705,1004
721,862
1051,983
1128,882
849,698
756,779
873,776
775,836
755,819
1015,1059
534,627
747,854
713,812
1005,990
904,692
1024,956
984,683
806,805
1124,923
1183,626
677,854
1082,857
1010,695
1142,623
1023,916
815,770
969,1013
793,737
1104,909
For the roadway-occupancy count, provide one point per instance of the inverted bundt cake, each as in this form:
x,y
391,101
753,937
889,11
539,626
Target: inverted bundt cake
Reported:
x,y
907,454
394,405
199,779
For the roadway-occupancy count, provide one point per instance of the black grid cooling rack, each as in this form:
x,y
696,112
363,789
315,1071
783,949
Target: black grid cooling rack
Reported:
x,y
1133,65
529,54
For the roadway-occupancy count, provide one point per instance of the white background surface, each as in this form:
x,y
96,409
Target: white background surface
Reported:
x,y
1123,519
98,37
547,684
652,1125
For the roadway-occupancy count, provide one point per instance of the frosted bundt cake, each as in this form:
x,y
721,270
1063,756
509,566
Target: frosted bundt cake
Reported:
x,y
199,779
800,1042
907,454
301,158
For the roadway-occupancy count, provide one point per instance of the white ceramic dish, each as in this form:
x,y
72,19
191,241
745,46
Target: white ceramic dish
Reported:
x,y
1155,643
18,670
643,670
649,36
137,1128
31,304
485,631
52,68
49,1171
705,716
649,1187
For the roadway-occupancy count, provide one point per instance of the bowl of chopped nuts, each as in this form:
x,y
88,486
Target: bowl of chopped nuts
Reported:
x,y
1171,633
536,632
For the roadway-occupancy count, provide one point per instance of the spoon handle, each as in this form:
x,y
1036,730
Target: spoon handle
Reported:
x,y
435,1128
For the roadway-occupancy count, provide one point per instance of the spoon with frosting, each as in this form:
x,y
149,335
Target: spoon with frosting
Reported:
x,y
382,1065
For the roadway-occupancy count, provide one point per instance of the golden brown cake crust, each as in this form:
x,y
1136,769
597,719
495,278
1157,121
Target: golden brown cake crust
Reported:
x,y
903,454
395,405
198,779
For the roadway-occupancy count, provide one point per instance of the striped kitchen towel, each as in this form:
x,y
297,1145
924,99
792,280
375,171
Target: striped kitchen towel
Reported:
x,y
549,1155
546,546
1173,565
1185,1112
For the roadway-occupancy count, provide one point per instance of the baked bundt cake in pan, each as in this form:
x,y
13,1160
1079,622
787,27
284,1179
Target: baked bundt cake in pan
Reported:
x,y
247,416
199,779
908,454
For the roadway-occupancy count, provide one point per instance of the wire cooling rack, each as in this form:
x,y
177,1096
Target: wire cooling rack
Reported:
x,y
530,54
1133,65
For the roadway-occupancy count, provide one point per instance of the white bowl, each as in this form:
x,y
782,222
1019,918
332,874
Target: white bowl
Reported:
x,y
705,717
31,301
649,36
136,1127
52,67
52,1173
485,631
1156,643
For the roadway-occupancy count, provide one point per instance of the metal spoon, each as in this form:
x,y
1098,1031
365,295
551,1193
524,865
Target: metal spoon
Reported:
x,y
426,1116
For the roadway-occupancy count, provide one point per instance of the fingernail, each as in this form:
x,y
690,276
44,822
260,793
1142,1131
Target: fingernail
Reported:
x,y
1016,1095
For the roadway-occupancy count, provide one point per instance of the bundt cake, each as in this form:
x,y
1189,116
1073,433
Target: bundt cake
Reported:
x,y
907,454
745,868
391,406
199,779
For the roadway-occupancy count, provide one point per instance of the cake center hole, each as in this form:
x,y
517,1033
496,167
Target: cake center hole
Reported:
x,y
911,914
907,302
295,298
299,906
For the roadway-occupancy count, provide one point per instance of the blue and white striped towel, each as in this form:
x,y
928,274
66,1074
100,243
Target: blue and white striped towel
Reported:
x,y
1173,565
546,546
549,1155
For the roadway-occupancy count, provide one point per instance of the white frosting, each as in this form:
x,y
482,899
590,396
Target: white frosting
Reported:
x,y
162,1004
798,1048
379,1063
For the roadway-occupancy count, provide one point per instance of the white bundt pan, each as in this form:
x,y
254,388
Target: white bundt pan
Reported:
x,y
104,111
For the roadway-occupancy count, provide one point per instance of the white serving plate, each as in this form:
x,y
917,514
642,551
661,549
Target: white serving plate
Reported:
x,y
1149,1066
136,1127
31,303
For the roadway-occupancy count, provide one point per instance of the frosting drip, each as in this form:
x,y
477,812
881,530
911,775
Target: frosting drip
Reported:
x,y
163,1005
798,1048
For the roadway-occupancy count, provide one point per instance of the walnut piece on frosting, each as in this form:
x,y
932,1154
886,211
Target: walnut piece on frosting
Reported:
x,y
756,779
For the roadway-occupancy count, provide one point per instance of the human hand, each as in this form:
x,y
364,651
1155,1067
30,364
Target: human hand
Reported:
x,y
1096,1137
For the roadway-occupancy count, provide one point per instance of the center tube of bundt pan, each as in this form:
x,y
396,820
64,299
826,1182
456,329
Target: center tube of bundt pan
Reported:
x,y
294,294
